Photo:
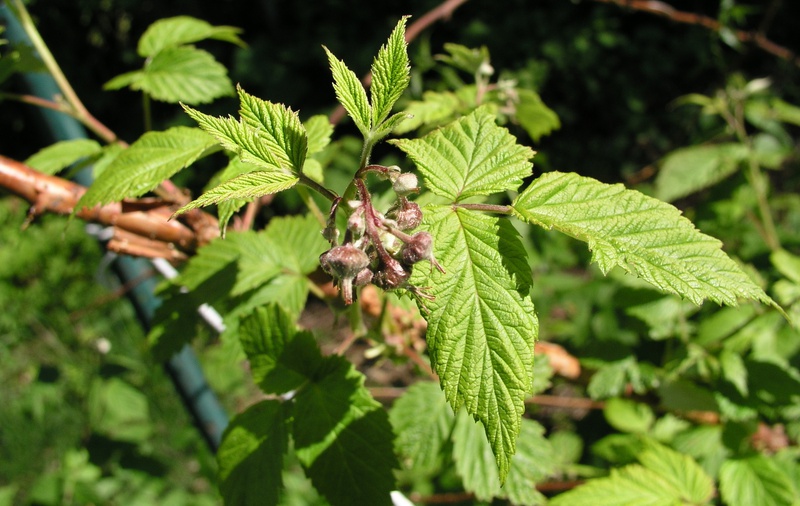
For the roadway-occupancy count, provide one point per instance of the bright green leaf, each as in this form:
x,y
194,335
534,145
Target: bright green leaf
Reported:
x,y
434,109
281,358
465,58
473,458
471,156
319,130
680,471
390,74
629,416
227,208
481,322
787,264
61,155
535,117
245,187
755,480
351,94
278,127
180,30
695,168
180,74
337,424
251,454
156,156
534,461
644,236
420,439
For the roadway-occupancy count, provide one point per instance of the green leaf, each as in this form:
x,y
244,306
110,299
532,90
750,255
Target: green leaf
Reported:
x,y
243,140
667,478
154,157
535,117
61,155
390,74
465,58
481,323
245,187
471,156
174,323
119,411
278,127
420,439
644,236
337,425
534,461
179,74
227,208
688,170
629,416
473,458
755,480
180,30
351,94
434,109
281,358
250,457
319,130
787,264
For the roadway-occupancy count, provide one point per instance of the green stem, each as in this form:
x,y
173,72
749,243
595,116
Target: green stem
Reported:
x,y
488,208
311,205
307,181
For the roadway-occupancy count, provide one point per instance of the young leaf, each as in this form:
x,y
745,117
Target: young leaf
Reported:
x,y
435,108
278,127
644,236
250,457
390,74
692,169
336,425
247,187
179,74
319,130
156,156
61,155
481,322
180,30
471,156
627,415
420,439
535,117
281,358
351,94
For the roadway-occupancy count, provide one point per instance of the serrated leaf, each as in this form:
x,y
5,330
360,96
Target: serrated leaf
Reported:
x,y
278,127
156,156
180,30
688,170
420,439
336,425
683,474
535,117
319,131
245,187
281,358
250,457
390,74
235,136
471,156
434,109
351,94
61,155
534,461
755,480
633,485
481,323
179,74
226,209
644,236
473,458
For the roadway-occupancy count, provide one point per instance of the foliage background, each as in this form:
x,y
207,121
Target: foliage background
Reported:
x,y
610,74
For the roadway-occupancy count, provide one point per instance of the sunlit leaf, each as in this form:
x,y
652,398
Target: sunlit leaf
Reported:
x,y
180,30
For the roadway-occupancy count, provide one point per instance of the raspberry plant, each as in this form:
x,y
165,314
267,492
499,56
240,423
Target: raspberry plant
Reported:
x,y
443,240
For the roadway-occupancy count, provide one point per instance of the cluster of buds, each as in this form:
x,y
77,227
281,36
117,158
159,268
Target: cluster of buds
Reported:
x,y
377,248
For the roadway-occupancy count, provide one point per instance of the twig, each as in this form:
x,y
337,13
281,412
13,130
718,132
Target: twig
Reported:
x,y
443,11
665,10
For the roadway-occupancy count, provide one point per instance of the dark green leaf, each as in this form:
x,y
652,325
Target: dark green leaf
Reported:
x,y
61,155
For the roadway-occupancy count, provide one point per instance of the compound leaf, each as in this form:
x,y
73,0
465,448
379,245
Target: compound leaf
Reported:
x,y
250,457
61,155
245,187
179,74
470,156
481,322
278,127
337,424
156,156
180,30
640,234
281,358
351,94
390,74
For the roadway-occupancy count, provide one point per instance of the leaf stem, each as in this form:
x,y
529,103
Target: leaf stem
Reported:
x,y
307,181
311,205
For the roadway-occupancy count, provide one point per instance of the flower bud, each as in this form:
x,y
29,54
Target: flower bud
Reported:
x,y
405,184
419,247
344,261
408,216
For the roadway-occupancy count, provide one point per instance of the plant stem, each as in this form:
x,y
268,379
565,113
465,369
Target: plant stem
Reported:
x,y
489,208
79,111
311,205
307,181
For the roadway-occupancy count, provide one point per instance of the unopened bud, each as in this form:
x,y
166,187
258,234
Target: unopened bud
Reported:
x,y
420,247
405,184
